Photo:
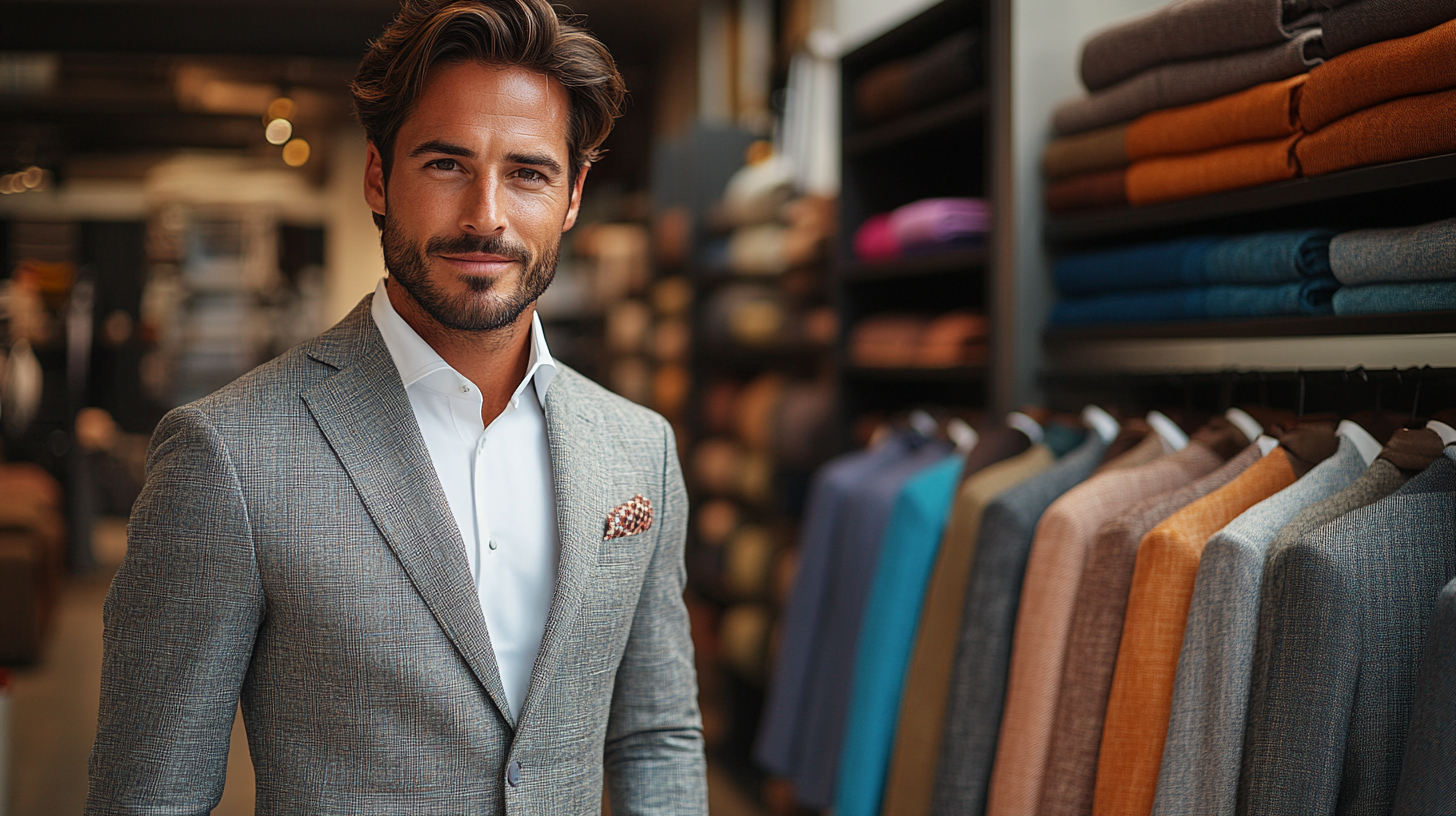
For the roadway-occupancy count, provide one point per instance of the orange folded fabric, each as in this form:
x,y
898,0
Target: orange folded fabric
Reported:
x,y
1090,192
1152,636
1378,73
1261,113
1171,178
1409,128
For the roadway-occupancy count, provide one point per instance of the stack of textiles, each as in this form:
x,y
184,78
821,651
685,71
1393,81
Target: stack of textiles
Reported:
x,y
916,341
1262,275
1392,271
924,227
900,86
1133,622
1264,111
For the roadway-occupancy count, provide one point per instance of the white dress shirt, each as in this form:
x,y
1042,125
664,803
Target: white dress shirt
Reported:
x,y
498,483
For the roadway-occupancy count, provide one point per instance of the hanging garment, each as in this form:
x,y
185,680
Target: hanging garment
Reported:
x,y
1377,74
1396,298
1200,769
1260,258
978,680
1371,21
1350,625
1409,128
1096,633
1173,178
1402,255
1311,297
1092,191
1427,784
1260,114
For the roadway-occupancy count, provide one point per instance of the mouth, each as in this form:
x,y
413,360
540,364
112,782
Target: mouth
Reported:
x,y
478,263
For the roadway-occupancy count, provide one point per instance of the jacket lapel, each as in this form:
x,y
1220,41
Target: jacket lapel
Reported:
x,y
365,413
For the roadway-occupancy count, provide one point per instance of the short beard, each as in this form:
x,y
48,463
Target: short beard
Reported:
x,y
472,312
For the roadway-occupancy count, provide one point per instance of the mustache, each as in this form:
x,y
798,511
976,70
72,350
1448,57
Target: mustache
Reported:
x,y
489,245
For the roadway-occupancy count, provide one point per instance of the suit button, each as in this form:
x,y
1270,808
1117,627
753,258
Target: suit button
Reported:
x,y
513,774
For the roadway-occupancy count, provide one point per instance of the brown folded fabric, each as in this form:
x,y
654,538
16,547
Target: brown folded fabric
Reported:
x,y
1090,192
1098,150
1379,73
1261,113
1172,178
1409,128
1371,21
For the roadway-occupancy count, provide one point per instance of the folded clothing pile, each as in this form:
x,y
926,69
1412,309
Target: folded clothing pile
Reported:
x,y
953,65
1190,124
923,227
896,340
1393,271
1262,275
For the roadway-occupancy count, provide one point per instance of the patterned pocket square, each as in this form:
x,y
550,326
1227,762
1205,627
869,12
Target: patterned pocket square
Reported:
x,y
629,518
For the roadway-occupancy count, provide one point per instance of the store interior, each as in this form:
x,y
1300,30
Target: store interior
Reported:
x,y
821,229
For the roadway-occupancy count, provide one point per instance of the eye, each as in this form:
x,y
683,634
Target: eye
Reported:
x,y
529,175
447,165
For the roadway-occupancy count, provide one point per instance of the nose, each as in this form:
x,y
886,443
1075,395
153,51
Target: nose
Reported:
x,y
482,210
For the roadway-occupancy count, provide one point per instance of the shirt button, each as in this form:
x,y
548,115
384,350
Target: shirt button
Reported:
x,y
492,544
513,774
465,389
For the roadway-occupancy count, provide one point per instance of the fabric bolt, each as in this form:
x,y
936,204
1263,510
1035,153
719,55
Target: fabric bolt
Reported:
x,y
1311,297
1396,298
1182,31
1350,625
1200,770
1379,73
1260,114
1095,151
784,703
936,221
1402,255
983,649
1427,776
887,637
1173,178
865,516
1092,191
1260,258
875,240
1096,634
1171,85
1413,127
1049,588
1356,24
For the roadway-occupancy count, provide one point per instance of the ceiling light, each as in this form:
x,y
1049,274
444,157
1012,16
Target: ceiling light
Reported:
x,y
278,131
296,153
281,108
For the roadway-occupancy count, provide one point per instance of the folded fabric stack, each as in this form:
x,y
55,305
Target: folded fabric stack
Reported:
x,y
924,227
1393,271
1204,96
1264,275
916,341
901,86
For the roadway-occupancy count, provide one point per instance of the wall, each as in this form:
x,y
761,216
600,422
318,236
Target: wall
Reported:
x,y
353,262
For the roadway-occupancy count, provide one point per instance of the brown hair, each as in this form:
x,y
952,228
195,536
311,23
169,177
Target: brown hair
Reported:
x,y
525,33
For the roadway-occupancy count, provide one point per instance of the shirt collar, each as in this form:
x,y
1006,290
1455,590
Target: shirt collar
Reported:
x,y
416,359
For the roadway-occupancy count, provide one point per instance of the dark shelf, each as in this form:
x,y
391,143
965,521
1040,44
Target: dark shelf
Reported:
x,y
1415,323
956,374
763,357
1302,191
953,111
960,260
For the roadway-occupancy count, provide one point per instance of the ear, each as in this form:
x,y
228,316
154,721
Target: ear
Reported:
x,y
575,207
374,180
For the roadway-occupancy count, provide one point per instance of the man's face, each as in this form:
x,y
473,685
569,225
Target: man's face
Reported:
x,y
478,194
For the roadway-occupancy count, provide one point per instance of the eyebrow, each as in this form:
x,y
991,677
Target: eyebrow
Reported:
x,y
439,146
536,160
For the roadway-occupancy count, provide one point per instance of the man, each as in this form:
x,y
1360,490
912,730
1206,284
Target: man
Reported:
x,y
442,572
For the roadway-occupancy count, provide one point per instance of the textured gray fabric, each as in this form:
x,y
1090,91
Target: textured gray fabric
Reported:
x,y
1349,627
1428,774
1184,83
1200,770
293,548
978,681
1183,30
1364,22
1403,255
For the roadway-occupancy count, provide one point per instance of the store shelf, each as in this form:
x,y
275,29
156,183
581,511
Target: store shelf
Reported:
x,y
957,110
951,375
1304,191
959,261
1406,324
763,357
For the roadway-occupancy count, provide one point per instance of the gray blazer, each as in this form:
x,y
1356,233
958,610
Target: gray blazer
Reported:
x,y
293,549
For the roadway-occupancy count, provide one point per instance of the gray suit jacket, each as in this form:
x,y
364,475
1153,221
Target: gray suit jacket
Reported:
x,y
293,549
1428,774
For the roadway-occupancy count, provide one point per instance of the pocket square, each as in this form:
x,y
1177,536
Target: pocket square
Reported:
x,y
629,518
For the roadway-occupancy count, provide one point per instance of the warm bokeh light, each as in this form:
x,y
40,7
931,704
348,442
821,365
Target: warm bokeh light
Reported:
x,y
278,131
296,153
33,176
280,108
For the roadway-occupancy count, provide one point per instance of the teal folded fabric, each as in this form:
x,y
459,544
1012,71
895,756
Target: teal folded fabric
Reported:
x,y
1263,258
1396,298
1311,297
1404,255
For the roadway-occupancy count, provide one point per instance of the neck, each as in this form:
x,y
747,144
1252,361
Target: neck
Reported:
x,y
494,360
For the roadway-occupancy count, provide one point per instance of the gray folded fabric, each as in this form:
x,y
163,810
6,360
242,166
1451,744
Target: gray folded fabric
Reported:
x,y
1184,30
1405,255
1184,83
1363,22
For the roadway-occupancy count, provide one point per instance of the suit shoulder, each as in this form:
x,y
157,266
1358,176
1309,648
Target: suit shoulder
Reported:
x,y
268,390
600,405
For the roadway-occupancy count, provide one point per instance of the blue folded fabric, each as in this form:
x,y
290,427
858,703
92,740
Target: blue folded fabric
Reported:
x,y
1311,297
1396,298
1263,258
1404,255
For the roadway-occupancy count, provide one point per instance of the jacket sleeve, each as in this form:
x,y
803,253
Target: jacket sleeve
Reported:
x,y
180,621
654,748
